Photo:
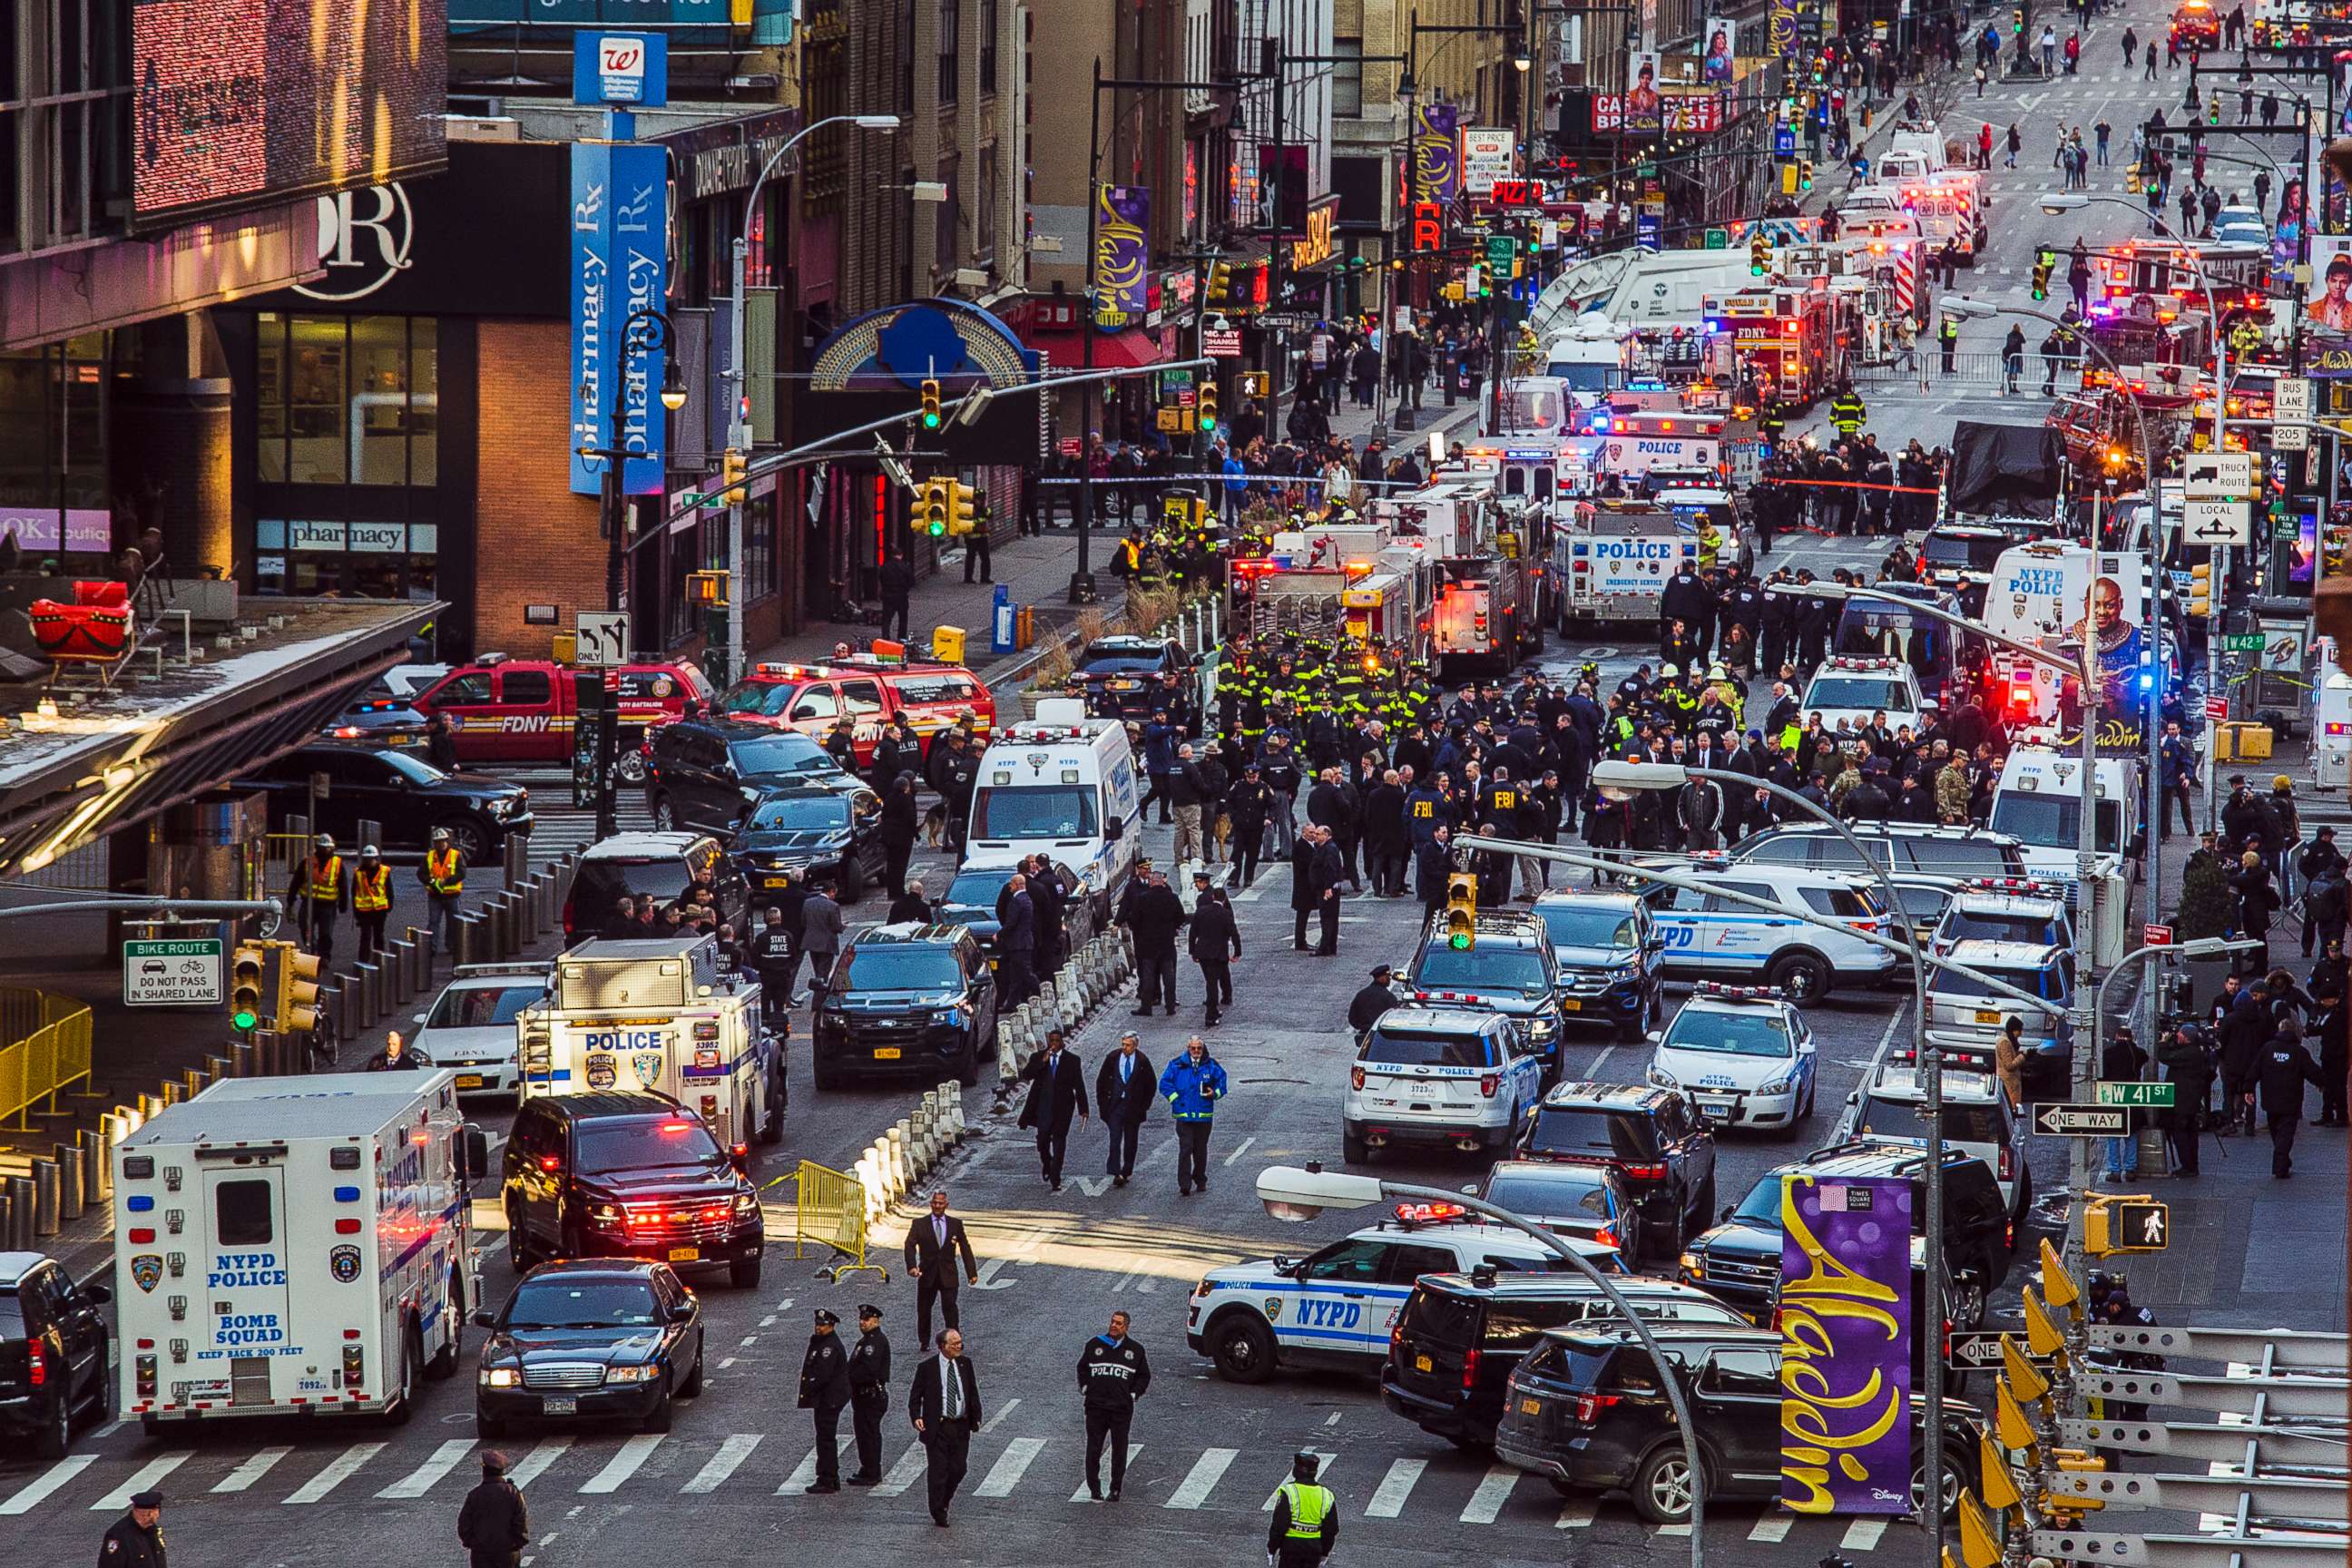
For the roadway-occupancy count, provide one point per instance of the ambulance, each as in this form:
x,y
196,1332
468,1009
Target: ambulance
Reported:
x,y
661,1014
1061,785
1634,444
294,1246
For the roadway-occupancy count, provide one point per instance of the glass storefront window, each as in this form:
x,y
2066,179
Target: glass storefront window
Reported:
x,y
423,402
346,400
316,397
269,397
379,406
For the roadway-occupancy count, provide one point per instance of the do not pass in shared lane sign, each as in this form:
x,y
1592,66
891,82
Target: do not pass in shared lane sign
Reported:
x,y
178,970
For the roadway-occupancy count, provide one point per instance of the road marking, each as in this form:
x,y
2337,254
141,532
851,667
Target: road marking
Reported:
x,y
1863,1535
1578,1514
1683,1530
1388,1496
421,1480
342,1468
803,1475
255,1466
1333,1420
727,1363
722,1464
145,1477
1081,1495
32,1494
1323,1463
1005,1474
1240,1148
624,1464
769,1321
1486,1503
902,1473
1202,1479
1094,1186
1773,1527
544,1454
1004,1410
747,1342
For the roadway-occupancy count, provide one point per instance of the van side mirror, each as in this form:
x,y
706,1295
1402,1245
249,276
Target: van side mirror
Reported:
x,y
1115,828
486,1319
96,1295
473,1153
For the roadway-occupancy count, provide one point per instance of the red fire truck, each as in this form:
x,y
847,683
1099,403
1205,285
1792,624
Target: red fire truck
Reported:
x,y
1787,335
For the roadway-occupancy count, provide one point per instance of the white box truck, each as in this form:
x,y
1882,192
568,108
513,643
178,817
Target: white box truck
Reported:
x,y
294,1245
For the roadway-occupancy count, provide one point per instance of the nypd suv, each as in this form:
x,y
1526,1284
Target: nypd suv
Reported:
x,y
1742,1054
1458,1077
1711,937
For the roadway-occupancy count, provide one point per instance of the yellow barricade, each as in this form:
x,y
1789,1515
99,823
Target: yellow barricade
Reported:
x,y
44,1048
831,1215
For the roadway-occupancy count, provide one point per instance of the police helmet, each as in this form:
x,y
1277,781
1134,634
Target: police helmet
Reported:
x,y
1304,1463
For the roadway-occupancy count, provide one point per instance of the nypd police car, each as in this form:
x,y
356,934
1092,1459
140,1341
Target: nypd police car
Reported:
x,y
1741,1054
1709,937
1458,1077
1336,1307
1859,689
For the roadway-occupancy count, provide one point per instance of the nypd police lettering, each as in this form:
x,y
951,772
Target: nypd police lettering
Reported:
x,y
244,1271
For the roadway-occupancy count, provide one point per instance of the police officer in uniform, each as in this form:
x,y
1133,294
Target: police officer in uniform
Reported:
x,y
1306,1522
136,1542
825,1388
1113,1373
776,955
869,1393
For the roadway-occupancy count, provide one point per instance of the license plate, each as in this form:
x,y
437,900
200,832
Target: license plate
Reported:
x,y
775,881
1985,1015
885,1053
1530,1406
559,1404
685,1254
1423,1363
1570,1004
1125,686
470,1080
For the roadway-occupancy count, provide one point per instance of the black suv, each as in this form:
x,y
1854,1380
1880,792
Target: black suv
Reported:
x,y
612,1174
406,796
1653,1136
52,1351
656,865
707,773
1740,1259
1586,1409
1457,1336
907,999
1127,677
1611,963
809,828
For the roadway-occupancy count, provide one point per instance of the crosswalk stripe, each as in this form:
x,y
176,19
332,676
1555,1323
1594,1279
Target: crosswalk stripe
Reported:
x,y
1577,1513
1388,1496
722,1464
1863,1535
146,1475
1004,1410
255,1466
904,1473
1202,1479
1773,1527
1005,1474
803,1475
1486,1503
423,1478
1682,1530
1104,1474
624,1464
1323,1463
546,1453
341,1469
31,1494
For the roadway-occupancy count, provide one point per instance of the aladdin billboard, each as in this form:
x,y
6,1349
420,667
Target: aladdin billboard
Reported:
x,y
1845,1345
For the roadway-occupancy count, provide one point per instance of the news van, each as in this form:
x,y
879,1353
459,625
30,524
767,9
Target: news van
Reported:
x,y
294,1246
1061,785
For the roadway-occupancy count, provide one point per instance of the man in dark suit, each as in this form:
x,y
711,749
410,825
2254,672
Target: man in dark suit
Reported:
x,y
1216,942
1125,1087
932,1244
944,1405
1328,870
1016,941
1057,1088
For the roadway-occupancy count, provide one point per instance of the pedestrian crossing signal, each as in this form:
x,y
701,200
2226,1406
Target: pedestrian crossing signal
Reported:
x,y
931,405
2045,260
2112,1225
1462,912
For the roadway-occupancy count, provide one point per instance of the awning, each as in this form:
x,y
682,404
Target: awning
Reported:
x,y
1130,348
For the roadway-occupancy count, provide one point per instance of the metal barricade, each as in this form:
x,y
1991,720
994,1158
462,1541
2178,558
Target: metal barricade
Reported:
x,y
44,1048
831,1213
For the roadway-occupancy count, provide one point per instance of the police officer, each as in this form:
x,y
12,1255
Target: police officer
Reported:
x,y
825,1388
136,1542
1306,1522
444,875
776,955
869,1393
1374,1000
1113,1373
320,885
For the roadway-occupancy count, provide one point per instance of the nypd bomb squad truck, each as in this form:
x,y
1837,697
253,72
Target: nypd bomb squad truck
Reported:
x,y
294,1245
1612,561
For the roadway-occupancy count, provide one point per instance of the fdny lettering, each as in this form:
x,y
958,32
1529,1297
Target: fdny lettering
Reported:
x,y
244,1270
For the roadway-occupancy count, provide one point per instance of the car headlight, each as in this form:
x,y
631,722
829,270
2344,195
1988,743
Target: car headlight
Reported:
x,y
645,1373
954,1016
500,1377
1201,1292
1542,1029
1694,1264
747,1203
502,808
1663,1079
605,1213
1782,1085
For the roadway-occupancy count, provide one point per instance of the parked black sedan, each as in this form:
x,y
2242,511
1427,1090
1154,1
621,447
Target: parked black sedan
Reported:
x,y
590,1339
822,826
405,795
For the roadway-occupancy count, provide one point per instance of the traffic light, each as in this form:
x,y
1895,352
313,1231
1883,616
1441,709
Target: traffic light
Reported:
x,y
734,466
2045,261
295,988
931,405
963,509
2201,589
2016,20
246,966
937,504
1462,912
1805,174
2113,1223
1220,282
1760,257
1205,407
2213,107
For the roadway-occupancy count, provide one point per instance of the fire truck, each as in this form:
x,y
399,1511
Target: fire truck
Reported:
x,y
1354,580
2196,26
2168,273
1489,607
1786,334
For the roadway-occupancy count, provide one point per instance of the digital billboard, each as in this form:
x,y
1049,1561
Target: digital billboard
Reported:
x,y
239,102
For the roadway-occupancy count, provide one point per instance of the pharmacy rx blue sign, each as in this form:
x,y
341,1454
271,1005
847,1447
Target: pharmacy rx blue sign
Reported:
x,y
620,264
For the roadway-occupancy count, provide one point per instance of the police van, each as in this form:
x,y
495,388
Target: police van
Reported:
x,y
1708,937
1455,1076
1061,785
1337,1307
294,1245
660,1013
2039,803
1612,562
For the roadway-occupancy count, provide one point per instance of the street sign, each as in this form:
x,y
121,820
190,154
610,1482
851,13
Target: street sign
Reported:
x,y
2290,437
2217,707
2082,1120
602,639
2205,521
2218,476
2155,935
2291,397
1226,344
171,972
1501,249
1982,1350
2243,642
2153,1095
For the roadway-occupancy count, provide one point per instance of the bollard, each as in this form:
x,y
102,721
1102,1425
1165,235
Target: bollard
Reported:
x,y
170,1092
542,904
419,940
398,973
240,1060
511,925
97,1164
192,1084
46,1197
20,1214
70,1180
148,1107
338,1000
215,1069
8,1222
365,983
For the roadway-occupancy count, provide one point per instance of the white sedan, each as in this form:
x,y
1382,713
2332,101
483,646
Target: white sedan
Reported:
x,y
1742,1055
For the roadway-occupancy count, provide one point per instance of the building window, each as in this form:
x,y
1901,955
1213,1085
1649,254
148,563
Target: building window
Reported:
x,y
346,400
951,30
65,122
988,14
1348,78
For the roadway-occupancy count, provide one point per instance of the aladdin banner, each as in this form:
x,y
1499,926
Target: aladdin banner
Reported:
x,y
1783,34
1123,215
1436,158
1845,1345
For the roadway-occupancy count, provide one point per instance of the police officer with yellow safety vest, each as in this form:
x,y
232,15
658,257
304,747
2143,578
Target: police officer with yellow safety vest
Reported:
x,y
1846,410
444,875
1306,1522
370,899
319,883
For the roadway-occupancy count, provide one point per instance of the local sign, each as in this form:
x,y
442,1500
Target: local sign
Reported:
x,y
173,971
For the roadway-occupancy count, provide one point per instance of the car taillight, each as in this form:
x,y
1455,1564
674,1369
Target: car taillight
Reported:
x,y
1605,1237
550,1161
1356,1076
1589,1405
2008,1163
1469,1372
1396,1340
1948,1341
1489,1083
567,916
36,1365
1646,1173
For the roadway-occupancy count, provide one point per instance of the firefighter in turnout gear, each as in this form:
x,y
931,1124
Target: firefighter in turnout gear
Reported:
x,y
1306,1522
319,883
1846,410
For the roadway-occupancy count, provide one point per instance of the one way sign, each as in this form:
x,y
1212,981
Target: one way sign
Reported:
x,y
2082,1120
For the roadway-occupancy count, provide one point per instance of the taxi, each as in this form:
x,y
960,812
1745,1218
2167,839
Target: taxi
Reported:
x,y
1336,1307
1459,1077
1858,690
1708,937
1742,1054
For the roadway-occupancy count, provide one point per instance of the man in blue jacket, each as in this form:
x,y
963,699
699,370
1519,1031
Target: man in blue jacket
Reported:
x,y
1159,742
1192,1085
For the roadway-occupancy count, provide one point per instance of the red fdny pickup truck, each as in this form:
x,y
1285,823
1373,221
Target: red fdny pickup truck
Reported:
x,y
520,711
866,690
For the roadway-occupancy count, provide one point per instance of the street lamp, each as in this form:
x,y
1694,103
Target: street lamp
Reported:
x,y
1297,1194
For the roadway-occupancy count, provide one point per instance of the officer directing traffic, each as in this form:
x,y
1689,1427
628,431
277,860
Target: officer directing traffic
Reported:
x,y
825,1388
494,1524
136,1542
1306,1524
1113,1373
869,1393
